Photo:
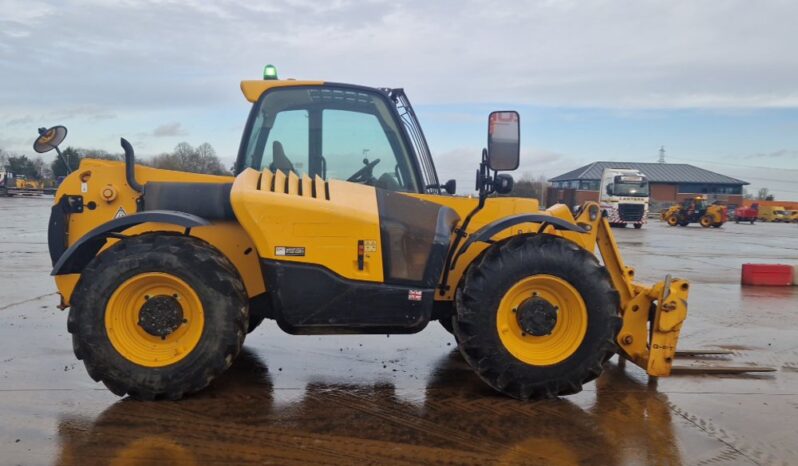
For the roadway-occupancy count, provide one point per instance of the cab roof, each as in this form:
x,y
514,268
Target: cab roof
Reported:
x,y
254,89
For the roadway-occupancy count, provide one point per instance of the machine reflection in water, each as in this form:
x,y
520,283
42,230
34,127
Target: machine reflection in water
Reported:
x,y
457,418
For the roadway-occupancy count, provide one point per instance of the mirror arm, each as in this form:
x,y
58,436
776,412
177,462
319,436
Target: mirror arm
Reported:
x,y
484,185
63,159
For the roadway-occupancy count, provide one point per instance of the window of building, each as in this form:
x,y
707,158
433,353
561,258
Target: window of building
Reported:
x,y
700,188
589,185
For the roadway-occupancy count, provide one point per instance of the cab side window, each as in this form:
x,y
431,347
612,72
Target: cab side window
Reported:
x,y
351,140
287,146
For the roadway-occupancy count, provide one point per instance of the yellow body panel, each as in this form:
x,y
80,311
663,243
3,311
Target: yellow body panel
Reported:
x,y
102,183
496,208
327,230
254,89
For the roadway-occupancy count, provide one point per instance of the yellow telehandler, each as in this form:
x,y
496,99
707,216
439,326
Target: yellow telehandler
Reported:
x,y
696,209
336,222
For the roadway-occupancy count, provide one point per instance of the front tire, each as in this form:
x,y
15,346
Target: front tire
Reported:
x,y
526,357
158,316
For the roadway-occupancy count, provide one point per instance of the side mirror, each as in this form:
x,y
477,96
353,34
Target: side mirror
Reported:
x,y
49,139
504,140
450,186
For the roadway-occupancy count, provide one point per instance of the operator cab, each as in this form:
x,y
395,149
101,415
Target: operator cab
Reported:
x,y
339,131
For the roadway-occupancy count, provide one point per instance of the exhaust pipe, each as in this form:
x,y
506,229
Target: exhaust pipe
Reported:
x,y
130,164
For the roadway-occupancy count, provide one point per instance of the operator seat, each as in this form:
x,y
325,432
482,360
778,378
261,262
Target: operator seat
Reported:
x,y
279,159
388,182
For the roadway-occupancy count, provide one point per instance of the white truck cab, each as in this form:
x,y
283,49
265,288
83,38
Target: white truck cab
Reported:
x,y
624,196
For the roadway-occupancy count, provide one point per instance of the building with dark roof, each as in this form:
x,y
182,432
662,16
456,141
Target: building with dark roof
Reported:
x,y
669,182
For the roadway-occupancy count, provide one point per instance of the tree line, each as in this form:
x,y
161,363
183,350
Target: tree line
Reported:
x,y
184,157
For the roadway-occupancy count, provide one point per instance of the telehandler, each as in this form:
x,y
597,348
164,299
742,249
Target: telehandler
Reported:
x,y
696,210
336,222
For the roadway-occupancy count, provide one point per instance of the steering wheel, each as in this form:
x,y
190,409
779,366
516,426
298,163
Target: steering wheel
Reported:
x,y
364,174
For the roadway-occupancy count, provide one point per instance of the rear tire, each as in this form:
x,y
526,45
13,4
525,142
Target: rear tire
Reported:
x,y
522,365
638,226
117,345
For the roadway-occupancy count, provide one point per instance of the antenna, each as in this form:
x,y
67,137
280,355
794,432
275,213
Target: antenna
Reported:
x,y
661,154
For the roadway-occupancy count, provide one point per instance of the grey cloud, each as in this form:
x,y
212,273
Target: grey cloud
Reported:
x,y
91,112
25,120
169,130
779,154
590,53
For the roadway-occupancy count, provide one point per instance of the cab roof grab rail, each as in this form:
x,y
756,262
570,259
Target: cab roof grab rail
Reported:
x,y
130,165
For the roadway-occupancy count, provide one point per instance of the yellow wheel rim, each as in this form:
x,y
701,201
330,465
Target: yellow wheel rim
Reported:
x,y
672,221
705,221
129,337
565,337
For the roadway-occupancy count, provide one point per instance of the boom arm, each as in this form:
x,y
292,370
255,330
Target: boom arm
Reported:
x,y
652,315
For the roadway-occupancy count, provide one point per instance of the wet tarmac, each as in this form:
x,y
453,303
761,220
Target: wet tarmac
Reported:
x,y
411,399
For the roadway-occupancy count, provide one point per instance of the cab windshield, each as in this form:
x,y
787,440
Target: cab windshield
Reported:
x,y
343,133
631,189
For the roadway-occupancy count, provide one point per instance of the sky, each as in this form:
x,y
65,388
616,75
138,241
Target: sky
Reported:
x,y
715,82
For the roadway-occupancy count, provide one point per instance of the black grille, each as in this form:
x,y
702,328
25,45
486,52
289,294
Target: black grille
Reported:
x,y
631,212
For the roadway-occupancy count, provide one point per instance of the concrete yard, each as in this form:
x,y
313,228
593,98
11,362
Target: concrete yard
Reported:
x,y
412,399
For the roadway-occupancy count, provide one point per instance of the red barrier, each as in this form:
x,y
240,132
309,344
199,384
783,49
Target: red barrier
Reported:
x,y
767,274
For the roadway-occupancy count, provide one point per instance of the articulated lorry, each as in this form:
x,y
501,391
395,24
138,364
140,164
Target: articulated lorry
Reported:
x,y
624,196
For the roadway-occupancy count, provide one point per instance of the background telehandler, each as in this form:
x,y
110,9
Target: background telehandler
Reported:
x,y
696,209
165,272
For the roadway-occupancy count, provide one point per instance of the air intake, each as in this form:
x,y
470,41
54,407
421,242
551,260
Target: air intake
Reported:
x,y
291,184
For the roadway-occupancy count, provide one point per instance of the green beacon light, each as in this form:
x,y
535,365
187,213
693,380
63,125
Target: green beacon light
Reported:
x,y
269,72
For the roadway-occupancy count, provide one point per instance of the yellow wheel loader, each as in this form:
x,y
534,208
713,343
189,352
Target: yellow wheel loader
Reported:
x,y
336,222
